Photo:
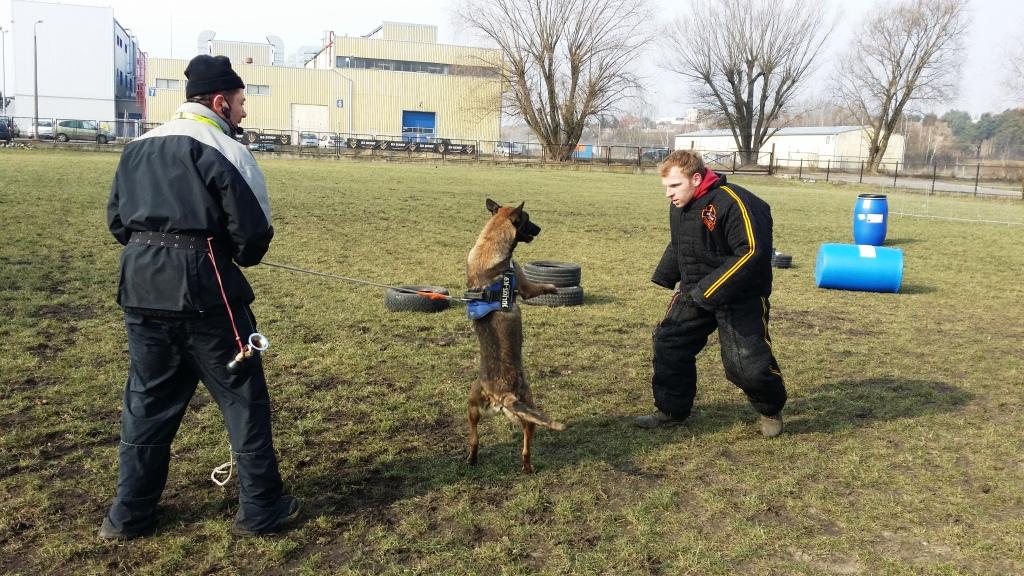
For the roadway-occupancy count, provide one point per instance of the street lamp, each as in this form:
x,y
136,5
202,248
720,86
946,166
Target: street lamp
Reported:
x,y
35,80
3,65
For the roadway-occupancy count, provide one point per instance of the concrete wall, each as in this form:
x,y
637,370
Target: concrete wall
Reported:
x,y
77,75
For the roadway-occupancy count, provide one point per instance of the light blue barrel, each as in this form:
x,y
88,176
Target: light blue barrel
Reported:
x,y
870,217
859,267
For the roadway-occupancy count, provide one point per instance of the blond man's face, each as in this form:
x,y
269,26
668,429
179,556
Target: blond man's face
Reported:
x,y
679,188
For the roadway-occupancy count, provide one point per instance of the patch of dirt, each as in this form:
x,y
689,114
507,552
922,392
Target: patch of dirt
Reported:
x,y
816,322
65,312
828,565
329,382
551,372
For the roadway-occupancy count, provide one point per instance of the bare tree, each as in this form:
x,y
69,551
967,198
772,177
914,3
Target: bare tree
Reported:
x,y
564,61
907,52
1014,79
749,61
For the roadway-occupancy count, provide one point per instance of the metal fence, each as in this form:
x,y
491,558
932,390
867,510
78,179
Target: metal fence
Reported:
x,y
1004,179
996,179
76,129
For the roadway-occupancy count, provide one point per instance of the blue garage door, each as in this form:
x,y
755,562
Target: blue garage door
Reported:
x,y
417,126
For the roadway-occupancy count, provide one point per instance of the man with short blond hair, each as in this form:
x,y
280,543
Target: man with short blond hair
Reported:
x,y
719,254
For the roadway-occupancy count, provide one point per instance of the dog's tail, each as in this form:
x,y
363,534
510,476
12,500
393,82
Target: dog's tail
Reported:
x,y
530,414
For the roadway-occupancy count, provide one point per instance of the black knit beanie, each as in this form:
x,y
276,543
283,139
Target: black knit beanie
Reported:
x,y
208,74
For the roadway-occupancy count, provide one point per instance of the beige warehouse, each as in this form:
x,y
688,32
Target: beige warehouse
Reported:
x,y
363,86
841,147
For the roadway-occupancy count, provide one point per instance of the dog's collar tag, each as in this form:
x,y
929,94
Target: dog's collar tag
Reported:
x,y
508,289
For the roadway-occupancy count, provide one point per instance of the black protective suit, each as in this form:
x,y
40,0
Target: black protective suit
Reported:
x,y
720,255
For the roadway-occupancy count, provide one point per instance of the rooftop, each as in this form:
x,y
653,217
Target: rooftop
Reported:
x,y
790,131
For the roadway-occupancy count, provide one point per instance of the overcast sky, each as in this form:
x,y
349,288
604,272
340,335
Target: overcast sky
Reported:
x,y
167,29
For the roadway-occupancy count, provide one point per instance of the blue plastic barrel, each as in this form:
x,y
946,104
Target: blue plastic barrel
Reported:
x,y
870,215
859,267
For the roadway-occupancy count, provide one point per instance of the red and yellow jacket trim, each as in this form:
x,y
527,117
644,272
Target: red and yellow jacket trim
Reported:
x,y
751,245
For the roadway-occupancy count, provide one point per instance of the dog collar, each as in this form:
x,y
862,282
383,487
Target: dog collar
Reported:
x,y
498,296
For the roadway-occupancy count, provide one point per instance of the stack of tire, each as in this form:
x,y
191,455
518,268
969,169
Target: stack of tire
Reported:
x,y
406,299
564,275
780,260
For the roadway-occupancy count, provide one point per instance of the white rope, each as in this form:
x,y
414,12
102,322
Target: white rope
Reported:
x,y
223,469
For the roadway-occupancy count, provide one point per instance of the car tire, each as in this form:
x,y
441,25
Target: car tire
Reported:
x,y
780,260
62,138
561,274
566,296
401,301
101,139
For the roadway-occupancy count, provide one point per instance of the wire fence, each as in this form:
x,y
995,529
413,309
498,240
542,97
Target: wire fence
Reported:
x,y
995,179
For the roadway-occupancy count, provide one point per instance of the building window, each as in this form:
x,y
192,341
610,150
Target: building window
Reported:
x,y
410,66
257,89
168,84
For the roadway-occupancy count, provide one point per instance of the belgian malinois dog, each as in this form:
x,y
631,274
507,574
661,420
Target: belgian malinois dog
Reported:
x,y
494,279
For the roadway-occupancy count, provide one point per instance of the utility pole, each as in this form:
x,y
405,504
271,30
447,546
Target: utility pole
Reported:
x,y
3,64
35,81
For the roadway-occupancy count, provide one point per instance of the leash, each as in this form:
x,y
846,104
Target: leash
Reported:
x,y
424,293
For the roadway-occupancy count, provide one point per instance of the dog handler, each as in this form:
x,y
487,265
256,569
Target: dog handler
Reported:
x,y
188,203
719,252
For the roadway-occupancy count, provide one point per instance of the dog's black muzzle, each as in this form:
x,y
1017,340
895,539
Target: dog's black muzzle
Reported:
x,y
527,230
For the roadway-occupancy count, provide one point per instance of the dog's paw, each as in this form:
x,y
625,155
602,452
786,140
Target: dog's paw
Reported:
x,y
548,289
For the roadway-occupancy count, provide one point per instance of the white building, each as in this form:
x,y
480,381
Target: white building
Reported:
x,y
840,146
84,63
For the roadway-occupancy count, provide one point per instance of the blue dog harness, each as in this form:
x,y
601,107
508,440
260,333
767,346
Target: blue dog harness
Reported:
x,y
498,296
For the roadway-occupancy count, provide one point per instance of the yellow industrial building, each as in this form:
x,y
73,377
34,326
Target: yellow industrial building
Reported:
x,y
395,82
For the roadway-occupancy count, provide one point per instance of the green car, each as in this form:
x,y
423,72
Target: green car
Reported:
x,y
81,130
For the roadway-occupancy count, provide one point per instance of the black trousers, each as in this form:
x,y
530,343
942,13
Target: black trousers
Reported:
x,y
746,354
168,358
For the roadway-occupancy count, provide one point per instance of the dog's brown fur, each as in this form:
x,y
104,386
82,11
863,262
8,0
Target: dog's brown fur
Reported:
x,y
502,386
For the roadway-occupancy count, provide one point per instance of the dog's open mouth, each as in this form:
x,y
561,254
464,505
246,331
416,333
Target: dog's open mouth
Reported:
x,y
527,230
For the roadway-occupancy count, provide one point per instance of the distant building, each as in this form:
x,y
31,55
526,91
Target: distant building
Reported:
x,y
396,81
269,53
89,66
842,146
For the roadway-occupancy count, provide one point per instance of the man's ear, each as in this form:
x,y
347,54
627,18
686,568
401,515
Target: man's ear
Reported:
x,y
697,178
492,206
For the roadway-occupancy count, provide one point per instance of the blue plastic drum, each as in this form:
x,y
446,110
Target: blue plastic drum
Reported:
x,y
870,215
859,267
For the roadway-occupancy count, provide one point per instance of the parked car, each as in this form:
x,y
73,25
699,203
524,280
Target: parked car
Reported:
x,y
45,129
331,141
307,140
15,129
509,149
81,130
262,146
655,154
6,129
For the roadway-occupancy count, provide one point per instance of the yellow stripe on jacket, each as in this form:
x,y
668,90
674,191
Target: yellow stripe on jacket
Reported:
x,y
750,242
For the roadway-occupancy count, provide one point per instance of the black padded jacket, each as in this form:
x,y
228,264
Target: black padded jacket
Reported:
x,y
190,177
720,248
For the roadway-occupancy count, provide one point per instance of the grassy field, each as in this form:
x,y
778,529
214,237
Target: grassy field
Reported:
x,y
902,453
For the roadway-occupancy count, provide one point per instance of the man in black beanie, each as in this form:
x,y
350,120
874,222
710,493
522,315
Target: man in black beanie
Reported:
x,y
190,205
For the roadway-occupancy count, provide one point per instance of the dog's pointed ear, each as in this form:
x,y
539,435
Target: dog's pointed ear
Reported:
x,y
492,206
519,209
